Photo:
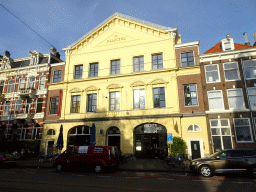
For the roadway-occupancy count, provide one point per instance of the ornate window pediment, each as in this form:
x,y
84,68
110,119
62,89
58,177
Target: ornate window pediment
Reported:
x,y
137,84
114,86
6,63
92,88
158,81
75,90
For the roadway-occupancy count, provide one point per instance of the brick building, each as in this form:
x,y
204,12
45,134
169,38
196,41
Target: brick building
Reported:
x,y
229,85
23,93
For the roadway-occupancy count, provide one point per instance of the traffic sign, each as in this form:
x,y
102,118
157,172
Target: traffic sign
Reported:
x,y
169,138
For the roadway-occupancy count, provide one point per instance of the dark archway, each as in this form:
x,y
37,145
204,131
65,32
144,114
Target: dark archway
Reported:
x,y
79,136
150,141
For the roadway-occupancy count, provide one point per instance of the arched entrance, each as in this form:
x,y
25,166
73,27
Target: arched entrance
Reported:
x,y
150,140
79,136
113,137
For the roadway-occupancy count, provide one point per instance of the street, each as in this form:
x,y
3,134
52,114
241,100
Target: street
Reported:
x,y
32,179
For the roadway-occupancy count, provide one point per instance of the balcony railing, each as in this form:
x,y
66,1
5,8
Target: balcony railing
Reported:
x,y
27,93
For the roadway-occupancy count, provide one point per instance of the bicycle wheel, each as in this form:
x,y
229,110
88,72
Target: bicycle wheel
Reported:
x,y
167,163
182,164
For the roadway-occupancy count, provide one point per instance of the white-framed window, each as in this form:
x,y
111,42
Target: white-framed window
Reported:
x,y
22,83
138,63
215,100
57,76
187,59
39,105
159,97
193,128
10,86
75,103
252,97
32,82
1,86
235,98
91,102
231,71
42,81
115,67
221,134
157,61
78,73
51,132
18,106
114,103
250,69
7,107
227,44
243,130
190,95
212,73
139,99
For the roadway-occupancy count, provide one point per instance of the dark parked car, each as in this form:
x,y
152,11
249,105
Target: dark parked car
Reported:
x,y
226,161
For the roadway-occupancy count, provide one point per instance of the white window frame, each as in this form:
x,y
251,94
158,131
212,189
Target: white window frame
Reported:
x,y
33,85
42,83
20,83
215,97
249,129
220,127
218,70
250,95
251,68
237,89
232,69
140,107
229,40
10,87
190,97
187,57
110,103
193,125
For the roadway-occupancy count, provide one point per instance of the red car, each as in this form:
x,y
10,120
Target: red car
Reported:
x,y
100,158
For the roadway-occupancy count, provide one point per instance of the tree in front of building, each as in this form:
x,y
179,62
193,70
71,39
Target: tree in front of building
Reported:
x,y
178,146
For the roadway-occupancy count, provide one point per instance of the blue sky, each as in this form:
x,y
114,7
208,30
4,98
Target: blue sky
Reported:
x,y
62,22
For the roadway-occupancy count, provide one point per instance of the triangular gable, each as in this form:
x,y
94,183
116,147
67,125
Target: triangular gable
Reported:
x,y
110,21
217,48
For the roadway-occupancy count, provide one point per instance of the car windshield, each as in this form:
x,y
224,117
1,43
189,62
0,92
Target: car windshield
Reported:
x,y
215,154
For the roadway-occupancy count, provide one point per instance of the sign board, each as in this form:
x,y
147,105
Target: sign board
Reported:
x,y
169,138
83,149
152,128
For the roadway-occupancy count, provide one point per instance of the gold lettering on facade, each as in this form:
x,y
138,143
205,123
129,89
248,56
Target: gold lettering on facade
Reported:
x,y
116,39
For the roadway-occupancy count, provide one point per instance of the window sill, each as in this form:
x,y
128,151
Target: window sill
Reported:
x,y
232,80
191,106
213,82
244,142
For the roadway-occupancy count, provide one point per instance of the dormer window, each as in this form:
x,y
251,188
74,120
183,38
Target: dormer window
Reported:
x,y
227,44
35,57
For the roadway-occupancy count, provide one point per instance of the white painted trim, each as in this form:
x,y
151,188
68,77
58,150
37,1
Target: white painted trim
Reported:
x,y
201,146
188,44
227,111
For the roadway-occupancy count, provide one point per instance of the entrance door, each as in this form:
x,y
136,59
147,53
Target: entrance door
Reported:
x,y
155,146
195,149
114,141
49,147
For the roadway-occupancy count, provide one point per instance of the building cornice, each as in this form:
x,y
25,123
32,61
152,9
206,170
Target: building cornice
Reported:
x,y
188,44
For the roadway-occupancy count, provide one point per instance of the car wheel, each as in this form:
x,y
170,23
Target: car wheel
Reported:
x,y
254,171
98,168
205,171
59,167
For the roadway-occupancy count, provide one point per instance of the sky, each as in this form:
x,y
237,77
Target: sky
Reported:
x,y
62,22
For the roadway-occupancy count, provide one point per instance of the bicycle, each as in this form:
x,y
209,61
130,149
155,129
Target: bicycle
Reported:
x,y
170,161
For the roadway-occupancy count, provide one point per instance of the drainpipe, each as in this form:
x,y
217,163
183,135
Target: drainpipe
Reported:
x,y
253,121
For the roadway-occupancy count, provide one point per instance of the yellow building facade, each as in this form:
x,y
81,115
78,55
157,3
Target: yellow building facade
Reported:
x,y
122,76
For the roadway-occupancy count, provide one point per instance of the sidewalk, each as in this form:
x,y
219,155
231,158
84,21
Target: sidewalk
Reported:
x,y
140,165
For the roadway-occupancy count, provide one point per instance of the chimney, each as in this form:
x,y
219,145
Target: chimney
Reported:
x,y
245,38
56,54
254,37
7,54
